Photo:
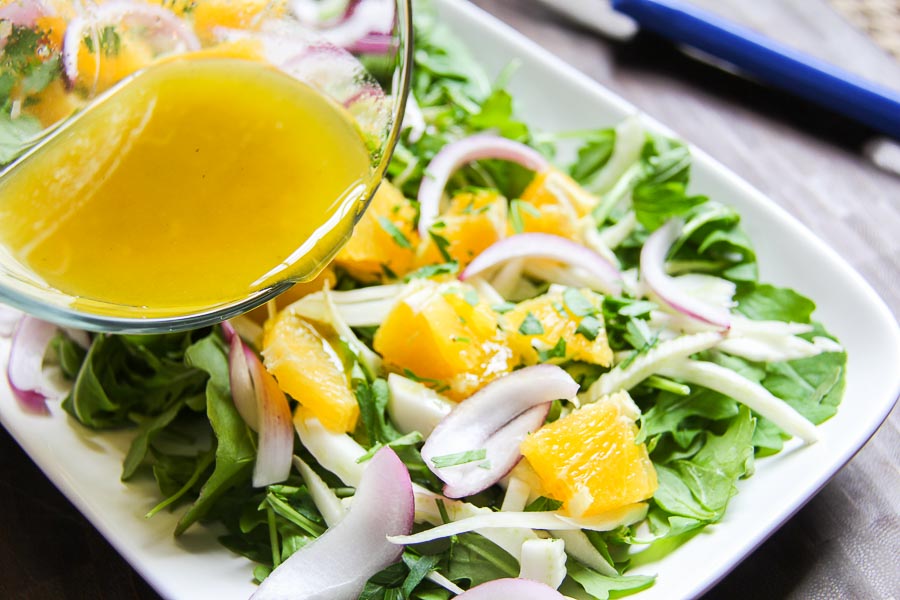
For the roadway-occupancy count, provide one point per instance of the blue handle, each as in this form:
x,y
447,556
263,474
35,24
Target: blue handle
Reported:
x,y
774,63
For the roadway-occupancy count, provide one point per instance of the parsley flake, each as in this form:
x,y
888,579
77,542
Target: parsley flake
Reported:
x,y
589,327
399,238
458,458
531,326
577,304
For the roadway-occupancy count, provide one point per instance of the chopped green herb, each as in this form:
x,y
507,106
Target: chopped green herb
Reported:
x,y
503,307
531,325
458,458
516,208
442,244
471,297
589,327
577,304
557,351
447,268
399,238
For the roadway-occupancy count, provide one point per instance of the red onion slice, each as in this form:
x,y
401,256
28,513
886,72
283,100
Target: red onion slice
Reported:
x,y
25,13
364,19
9,318
276,432
263,407
24,370
456,154
552,247
242,391
161,21
665,288
520,589
494,420
337,565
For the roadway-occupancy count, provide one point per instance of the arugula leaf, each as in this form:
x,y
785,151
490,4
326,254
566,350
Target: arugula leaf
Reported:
x,y
17,136
670,411
600,586
700,487
69,354
542,503
147,430
656,203
235,447
122,375
373,400
476,560
593,154
763,302
497,113
813,386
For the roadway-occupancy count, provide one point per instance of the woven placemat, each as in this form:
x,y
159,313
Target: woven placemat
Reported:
x,y
879,19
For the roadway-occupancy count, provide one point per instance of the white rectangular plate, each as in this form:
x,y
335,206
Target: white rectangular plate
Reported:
x,y
85,465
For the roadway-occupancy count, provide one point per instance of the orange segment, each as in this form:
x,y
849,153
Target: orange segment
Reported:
x,y
589,459
308,369
447,336
261,313
536,326
232,14
552,203
475,220
117,56
384,240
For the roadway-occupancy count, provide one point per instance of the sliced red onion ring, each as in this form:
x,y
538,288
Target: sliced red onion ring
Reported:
x,y
495,419
520,589
242,391
454,155
264,408
9,318
24,371
363,19
163,22
373,43
337,565
552,247
665,288
25,13
276,432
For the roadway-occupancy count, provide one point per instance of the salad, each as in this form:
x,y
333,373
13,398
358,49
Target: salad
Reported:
x,y
521,375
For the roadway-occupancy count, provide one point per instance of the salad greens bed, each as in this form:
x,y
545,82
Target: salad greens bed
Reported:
x,y
174,391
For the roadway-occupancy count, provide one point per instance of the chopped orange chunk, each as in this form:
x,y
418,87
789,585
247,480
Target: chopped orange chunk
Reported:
x,y
384,240
553,203
304,288
445,335
309,370
589,459
475,220
231,14
536,327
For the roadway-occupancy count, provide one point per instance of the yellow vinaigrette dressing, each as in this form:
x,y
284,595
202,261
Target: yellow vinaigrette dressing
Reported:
x,y
195,183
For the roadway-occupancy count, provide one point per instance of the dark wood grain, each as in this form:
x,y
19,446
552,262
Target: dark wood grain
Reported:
x,y
846,542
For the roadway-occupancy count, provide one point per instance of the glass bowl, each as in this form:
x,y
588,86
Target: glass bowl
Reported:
x,y
358,54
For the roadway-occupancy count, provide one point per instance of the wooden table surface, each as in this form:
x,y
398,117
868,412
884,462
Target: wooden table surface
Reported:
x,y
846,542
